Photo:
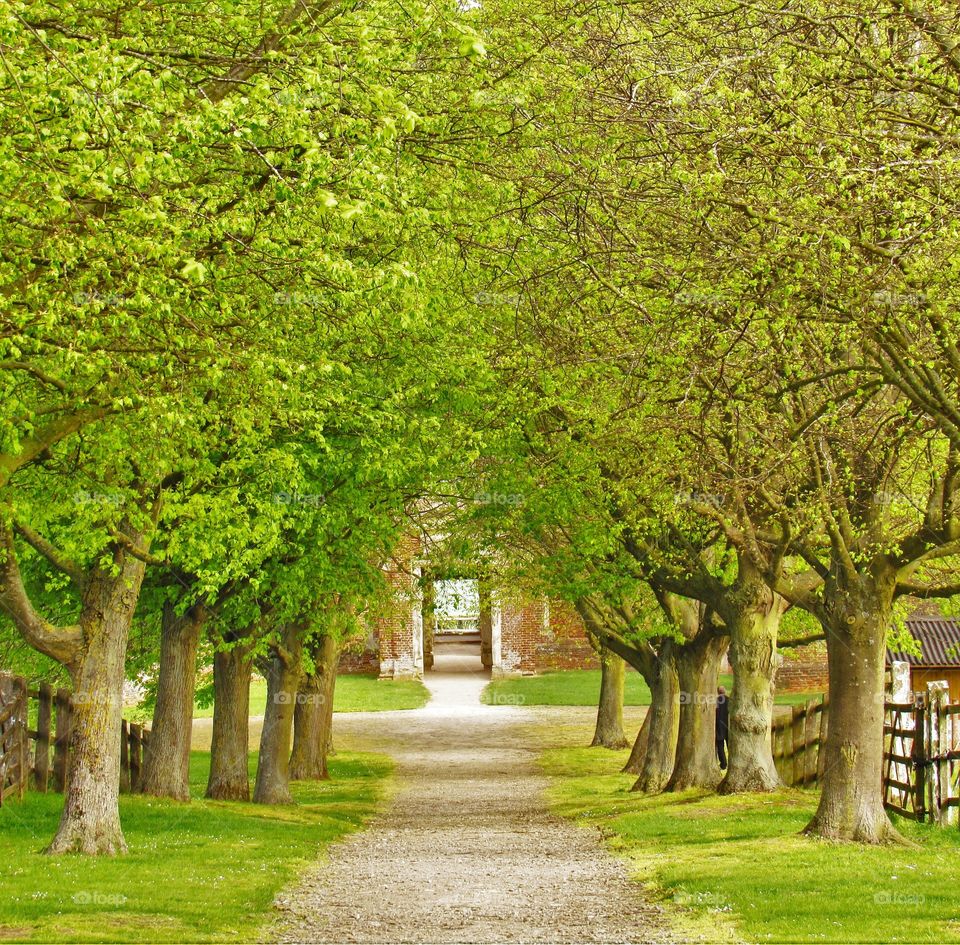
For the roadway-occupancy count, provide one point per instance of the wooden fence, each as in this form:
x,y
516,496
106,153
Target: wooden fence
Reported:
x,y
921,756
46,764
797,741
14,743
921,753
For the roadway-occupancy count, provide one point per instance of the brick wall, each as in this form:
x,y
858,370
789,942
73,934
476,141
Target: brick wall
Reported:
x,y
361,658
520,627
562,643
395,628
803,669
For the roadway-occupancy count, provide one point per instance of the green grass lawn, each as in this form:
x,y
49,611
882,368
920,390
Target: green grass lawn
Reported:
x,y
199,872
737,866
582,687
565,687
354,693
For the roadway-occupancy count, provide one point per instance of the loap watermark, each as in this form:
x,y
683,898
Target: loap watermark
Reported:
x,y
298,498
699,299
893,499
298,698
890,897
84,497
495,298
897,301
298,299
103,299
703,698
94,898
698,498
709,900
499,498
507,698
81,697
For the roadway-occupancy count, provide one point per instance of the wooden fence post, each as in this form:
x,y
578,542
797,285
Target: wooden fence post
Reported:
x,y
919,759
810,742
901,691
796,739
776,747
136,755
23,739
938,696
822,749
124,756
61,743
41,760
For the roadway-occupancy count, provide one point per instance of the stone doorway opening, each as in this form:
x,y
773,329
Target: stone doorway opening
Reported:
x,y
453,627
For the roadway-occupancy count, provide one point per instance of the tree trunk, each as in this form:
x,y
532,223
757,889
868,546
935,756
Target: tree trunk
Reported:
x,y
753,622
857,618
609,730
229,749
661,745
166,770
698,666
283,671
90,821
638,752
327,733
313,715
429,609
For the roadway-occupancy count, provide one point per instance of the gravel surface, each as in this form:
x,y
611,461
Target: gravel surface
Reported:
x,y
466,850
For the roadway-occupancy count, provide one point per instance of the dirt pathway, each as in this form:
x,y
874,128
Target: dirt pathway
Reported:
x,y
466,851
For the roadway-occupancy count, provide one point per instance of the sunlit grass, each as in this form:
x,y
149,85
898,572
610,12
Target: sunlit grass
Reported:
x,y
353,693
742,861
582,687
200,872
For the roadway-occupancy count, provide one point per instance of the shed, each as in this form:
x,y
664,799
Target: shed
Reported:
x,y
939,639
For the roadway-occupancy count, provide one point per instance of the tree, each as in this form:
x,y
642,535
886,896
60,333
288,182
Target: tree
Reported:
x,y
609,729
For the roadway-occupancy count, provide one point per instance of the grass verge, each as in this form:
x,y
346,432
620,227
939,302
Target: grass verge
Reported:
x,y
354,693
737,865
200,872
582,687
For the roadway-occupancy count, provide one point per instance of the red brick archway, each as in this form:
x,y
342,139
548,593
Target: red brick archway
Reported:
x,y
518,635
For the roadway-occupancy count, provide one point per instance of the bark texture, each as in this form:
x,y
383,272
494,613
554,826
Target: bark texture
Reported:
x,y
283,671
90,821
657,764
856,618
313,714
634,763
229,778
609,729
698,668
752,615
166,771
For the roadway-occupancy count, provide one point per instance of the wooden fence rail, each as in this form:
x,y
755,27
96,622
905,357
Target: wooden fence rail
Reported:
x,y
14,745
797,743
921,753
921,778
47,765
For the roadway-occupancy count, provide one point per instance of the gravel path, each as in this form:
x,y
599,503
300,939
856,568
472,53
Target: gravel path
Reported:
x,y
466,850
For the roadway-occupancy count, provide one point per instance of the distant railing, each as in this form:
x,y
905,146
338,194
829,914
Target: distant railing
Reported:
x,y
457,624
